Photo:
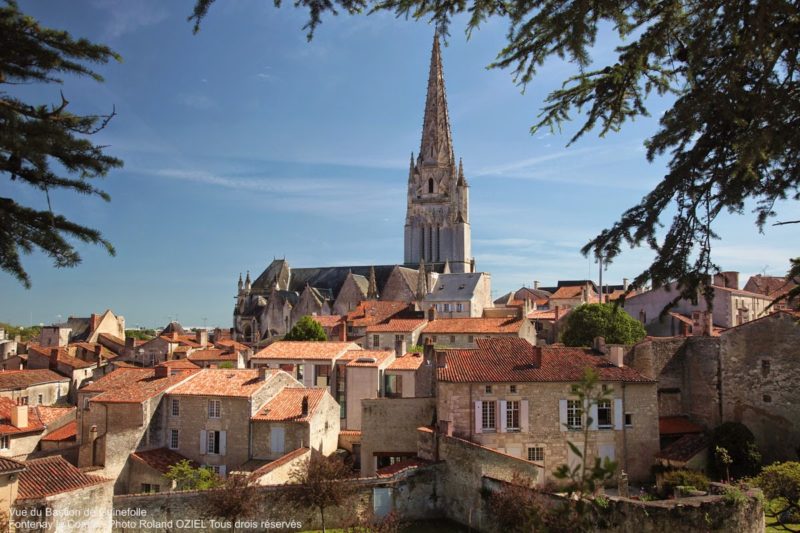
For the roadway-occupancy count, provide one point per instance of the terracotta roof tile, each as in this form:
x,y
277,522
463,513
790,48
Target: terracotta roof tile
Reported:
x,y
272,465
473,325
396,468
675,425
133,385
409,361
772,286
327,321
350,432
305,350
286,406
241,383
180,364
373,312
514,359
230,343
35,423
66,432
212,355
9,466
686,447
160,459
63,356
399,325
548,314
364,358
574,291
50,476
22,379
49,414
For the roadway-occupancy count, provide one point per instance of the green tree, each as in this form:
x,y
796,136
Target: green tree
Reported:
x,y
781,485
188,477
729,135
306,329
44,146
25,333
140,334
588,321
317,483
735,452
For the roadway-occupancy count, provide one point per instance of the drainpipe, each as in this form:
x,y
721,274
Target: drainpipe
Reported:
x,y
624,431
472,415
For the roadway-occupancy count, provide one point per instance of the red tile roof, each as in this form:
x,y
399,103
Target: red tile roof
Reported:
x,y
327,321
9,466
571,291
63,356
686,447
473,325
363,358
410,361
230,343
160,459
179,364
35,423
50,476
772,286
373,312
405,464
66,432
548,314
269,467
676,425
286,406
233,383
399,325
212,355
49,414
22,379
305,350
350,432
514,359
133,385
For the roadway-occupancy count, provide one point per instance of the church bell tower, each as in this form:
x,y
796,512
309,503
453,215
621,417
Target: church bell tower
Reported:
x,y
437,217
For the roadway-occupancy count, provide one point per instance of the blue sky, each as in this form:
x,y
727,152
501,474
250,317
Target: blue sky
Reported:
x,y
245,142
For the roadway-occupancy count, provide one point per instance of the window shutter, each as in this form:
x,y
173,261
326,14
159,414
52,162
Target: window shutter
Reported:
x,y
222,443
478,417
523,416
593,414
222,469
562,414
619,416
203,441
503,421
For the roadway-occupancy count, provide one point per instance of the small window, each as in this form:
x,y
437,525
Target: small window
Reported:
x,y
433,339
765,367
40,399
489,413
86,403
173,439
536,454
574,414
471,339
213,442
487,389
628,419
767,398
604,413
452,339
430,186
376,341
512,389
447,308
512,416
176,407
399,338
149,487
459,307
4,442
214,408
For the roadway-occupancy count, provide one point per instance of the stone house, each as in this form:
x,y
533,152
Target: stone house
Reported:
x,y
147,470
772,287
20,429
293,419
460,295
731,307
464,332
121,413
395,334
311,363
34,387
333,325
373,312
409,376
570,294
168,346
548,323
217,358
63,361
88,329
200,413
9,483
365,379
517,398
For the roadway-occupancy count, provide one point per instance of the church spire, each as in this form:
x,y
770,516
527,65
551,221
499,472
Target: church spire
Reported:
x,y
372,289
437,144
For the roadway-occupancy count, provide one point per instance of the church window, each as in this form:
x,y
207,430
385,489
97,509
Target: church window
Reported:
x,y
430,185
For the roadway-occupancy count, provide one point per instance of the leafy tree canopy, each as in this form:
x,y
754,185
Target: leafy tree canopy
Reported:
x,y
306,329
187,477
317,483
739,444
781,483
46,146
25,333
588,321
730,134
141,334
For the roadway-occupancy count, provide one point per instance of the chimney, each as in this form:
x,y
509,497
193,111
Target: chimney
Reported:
x,y
558,313
624,284
432,313
162,371
129,345
304,406
201,335
19,416
599,345
585,293
53,358
262,372
93,440
428,351
97,351
400,347
343,330
535,284
616,356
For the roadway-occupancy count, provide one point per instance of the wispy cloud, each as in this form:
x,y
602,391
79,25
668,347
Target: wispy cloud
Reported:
x,y
196,101
531,162
127,17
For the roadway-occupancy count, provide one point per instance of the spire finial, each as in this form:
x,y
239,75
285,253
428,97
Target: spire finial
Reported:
x,y
437,145
372,289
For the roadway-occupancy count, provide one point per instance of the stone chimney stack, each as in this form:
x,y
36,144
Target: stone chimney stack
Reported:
x,y
624,284
19,416
162,371
263,370
53,358
599,345
97,351
201,335
558,313
535,284
432,313
616,356
400,346
304,405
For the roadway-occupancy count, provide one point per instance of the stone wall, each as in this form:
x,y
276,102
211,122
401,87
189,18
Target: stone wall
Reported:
x,y
88,511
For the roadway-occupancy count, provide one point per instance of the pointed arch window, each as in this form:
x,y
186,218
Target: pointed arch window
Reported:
x,y
430,185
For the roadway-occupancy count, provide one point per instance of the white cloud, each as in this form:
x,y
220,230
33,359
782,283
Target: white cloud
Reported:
x,y
127,17
196,101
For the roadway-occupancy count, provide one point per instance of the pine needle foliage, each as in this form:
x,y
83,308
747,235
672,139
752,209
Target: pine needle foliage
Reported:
x,y
46,146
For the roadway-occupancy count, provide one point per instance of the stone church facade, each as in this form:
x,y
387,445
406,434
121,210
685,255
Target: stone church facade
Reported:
x,y
437,243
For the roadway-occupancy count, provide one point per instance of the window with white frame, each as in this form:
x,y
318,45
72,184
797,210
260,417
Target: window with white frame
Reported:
x,y
447,308
4,442
488,416
512,389
214,408
574,414
376,341
213,442
176,407
173,439
459,308
536,454
604,419
512,416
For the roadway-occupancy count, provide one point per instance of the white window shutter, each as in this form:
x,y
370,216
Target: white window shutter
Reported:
x,y
593,415
619,416
478,416
222,443
523,416
502,416
203,441
562,414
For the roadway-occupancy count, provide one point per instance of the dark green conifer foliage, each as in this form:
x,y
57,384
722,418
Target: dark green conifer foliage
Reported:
x,y
46,146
